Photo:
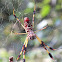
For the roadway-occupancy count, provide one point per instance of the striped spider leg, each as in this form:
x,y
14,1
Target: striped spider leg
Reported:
x,y
17,18
42,28
43,45
23,49
33,15
31,35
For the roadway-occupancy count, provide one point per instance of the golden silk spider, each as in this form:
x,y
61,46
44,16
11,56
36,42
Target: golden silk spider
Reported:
x,y
31,34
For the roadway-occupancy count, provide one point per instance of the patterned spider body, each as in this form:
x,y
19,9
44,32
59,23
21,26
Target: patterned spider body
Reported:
x,y
28,28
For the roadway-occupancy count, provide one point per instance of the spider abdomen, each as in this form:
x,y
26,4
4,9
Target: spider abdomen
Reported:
x,y
31,35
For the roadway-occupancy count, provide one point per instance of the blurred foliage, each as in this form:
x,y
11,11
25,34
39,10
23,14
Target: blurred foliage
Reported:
x,y
28,10
46,10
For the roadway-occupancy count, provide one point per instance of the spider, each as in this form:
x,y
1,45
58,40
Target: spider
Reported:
x,y
31,34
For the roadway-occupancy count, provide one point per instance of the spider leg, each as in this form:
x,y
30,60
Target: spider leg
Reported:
x,y
21,51
39,39
43,45
17,18
48,52
23,48
48,46
24,56
42,28
19,33
34,15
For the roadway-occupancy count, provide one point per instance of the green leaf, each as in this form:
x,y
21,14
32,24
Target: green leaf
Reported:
x,y
45,11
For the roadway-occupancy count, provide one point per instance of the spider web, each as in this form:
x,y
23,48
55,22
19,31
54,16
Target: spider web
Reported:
x,y
7,24
12,43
